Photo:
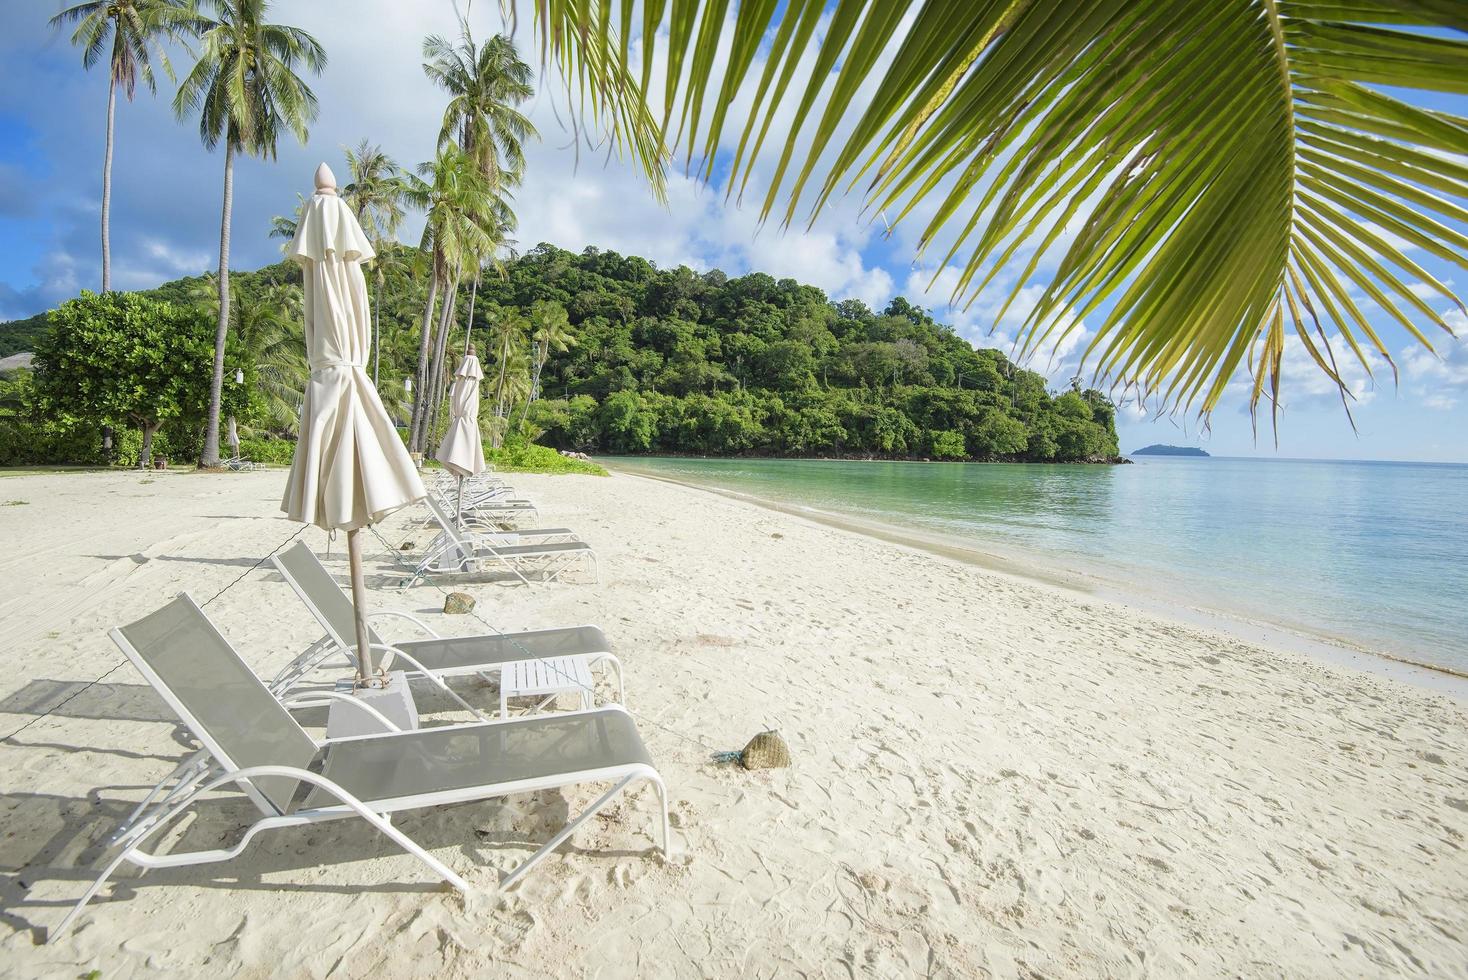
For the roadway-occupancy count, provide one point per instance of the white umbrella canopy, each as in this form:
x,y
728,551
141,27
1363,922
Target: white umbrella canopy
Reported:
x,y
350,467
462,449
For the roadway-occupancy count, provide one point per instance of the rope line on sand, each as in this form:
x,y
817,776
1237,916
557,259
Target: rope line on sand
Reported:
x,y
113,669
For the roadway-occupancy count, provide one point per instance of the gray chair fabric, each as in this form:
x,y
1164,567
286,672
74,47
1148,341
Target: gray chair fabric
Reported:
x,y
220,698
300,564
464,654
461,654
436,761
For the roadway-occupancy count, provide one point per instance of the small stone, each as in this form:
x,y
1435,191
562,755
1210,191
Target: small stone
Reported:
x,y
458,603
406,546
767,750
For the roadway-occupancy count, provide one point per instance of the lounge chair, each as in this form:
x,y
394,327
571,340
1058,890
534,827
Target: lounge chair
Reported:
x,y
238,462
459,553
249,740
436,657
471,524
494,504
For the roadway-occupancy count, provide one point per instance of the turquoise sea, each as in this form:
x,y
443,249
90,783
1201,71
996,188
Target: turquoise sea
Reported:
x,y
1374,554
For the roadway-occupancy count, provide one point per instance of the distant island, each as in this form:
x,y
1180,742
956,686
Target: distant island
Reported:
x,y
1161,450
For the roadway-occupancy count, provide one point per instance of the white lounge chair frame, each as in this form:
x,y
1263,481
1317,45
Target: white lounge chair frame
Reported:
x,y
212,768
456,553
334,646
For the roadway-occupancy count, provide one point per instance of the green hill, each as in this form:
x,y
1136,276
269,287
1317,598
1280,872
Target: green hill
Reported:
x,y
674,361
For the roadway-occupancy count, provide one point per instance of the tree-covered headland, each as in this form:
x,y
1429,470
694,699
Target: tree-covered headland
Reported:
x,y
605,353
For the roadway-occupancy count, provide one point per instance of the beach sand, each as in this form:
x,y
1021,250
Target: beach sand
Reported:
x,y
992,776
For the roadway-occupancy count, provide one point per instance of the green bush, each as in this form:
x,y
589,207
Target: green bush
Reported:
x,y
40,443
127,446
530,458
948,445
275,452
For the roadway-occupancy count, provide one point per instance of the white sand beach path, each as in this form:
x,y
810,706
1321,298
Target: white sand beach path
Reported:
x,y
992,777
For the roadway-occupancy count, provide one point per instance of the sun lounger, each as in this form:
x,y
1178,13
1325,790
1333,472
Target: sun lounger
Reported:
x,y
471,524
249,740
434,656
458,553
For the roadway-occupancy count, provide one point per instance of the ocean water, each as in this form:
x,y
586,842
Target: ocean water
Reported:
x,y
1373,554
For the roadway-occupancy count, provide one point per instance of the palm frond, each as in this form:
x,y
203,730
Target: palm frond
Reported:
x,y
1200,182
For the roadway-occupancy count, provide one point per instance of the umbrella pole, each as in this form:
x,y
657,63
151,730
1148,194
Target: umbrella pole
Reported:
x,y
359,597
459,507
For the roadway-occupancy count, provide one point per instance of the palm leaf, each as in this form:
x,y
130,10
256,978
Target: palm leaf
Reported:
x,y
1202,180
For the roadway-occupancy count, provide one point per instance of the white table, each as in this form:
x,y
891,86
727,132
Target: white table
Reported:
x,y
546,678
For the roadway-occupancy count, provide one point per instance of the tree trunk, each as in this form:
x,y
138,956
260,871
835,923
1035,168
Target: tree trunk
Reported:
x,y
499,388
377,330
415,443
469,320
440,354
107,189
534,383
210,455
145,457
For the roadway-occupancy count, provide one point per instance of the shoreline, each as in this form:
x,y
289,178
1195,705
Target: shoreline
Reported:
x,y
991,775
1233,623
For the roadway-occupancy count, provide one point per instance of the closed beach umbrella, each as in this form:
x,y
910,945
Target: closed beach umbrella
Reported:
x,y
234,437
462,450
350,468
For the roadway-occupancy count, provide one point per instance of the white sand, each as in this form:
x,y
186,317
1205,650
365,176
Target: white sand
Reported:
x,y
992,776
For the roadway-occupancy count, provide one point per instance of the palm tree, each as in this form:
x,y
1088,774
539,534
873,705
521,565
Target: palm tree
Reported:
x,y
464,218
246,90
552,332
284,228
138,30
507,330
377,193
269,324
485,85
1205,177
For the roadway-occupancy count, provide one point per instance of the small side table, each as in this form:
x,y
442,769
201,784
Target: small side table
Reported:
x,y
395,702
546,678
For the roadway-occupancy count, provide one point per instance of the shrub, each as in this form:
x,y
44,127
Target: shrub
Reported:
x,y
948,444
517,457
25,442
275,452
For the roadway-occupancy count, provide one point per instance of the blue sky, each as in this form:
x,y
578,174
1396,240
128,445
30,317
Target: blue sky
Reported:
x,y
167,194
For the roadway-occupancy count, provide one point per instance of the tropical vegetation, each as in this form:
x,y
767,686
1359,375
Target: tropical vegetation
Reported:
x,y
1208,177
246,90
603,353
1210,182
137,30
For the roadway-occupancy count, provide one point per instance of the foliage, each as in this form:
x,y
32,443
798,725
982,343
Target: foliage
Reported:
x,y
673,361
244,85
123,359
677,362
18,336
35,442
524,457
276,452
1206,176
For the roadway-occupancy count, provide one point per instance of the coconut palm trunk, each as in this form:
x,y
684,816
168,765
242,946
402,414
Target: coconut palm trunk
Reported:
x,y
436,375
210,454
425,339
539,351
376,328
499,386
107,188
